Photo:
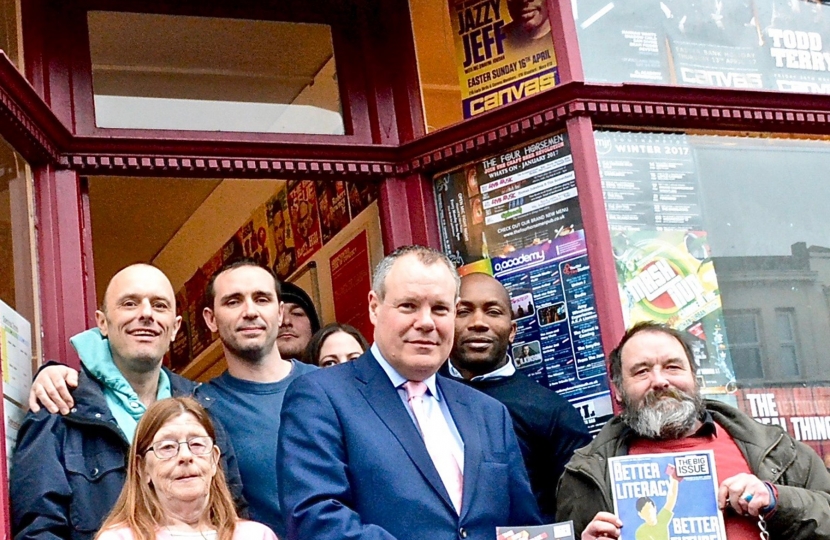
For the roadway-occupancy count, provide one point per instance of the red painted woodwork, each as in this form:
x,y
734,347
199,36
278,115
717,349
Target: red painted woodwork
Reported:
x,y
565,41
600,253
64,280
407,212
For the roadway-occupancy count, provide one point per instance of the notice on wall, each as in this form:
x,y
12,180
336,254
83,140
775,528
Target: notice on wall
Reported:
x,y
16,365
351,281
516,216
504,52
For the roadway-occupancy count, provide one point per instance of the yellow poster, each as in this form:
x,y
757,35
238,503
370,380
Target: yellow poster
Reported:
x,y
503,50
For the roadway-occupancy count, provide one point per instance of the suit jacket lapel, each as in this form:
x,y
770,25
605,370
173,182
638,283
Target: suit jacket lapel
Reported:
x,y
467,426
383,398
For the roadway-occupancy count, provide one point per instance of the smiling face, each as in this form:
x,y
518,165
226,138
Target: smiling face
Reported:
x,y
483,326
658,389
414,321
294,332
246,312
139,318
339,348
184,478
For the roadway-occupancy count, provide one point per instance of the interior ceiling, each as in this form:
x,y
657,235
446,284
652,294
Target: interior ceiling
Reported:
x,y
174,56
134,218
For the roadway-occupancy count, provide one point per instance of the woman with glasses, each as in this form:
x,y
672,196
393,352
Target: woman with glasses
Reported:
x,y
175,487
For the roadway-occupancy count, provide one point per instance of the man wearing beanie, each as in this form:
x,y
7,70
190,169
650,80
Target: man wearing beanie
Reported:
x,y
299,322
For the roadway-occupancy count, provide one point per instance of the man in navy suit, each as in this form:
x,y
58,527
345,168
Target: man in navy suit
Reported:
x,y
357,446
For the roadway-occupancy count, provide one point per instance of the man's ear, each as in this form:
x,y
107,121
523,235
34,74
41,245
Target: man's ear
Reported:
x,y
101,321
374,303
176,326
513,330
210,319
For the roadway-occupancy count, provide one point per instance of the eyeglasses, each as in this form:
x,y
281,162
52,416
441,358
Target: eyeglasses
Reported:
x,y
199,446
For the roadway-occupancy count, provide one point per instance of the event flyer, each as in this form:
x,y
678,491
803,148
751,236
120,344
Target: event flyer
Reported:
x,y
671,496
555,531
649,181
504,52
558,341
305,219
669,277
714,44
797,46
622,41
508,202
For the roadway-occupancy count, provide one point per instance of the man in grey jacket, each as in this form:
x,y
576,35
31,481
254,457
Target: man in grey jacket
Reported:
x,y
764,475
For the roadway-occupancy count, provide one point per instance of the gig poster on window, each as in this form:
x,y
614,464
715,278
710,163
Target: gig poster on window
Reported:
x,y
276,213
796,46
631,39
305,219
504,51
255,239
664,265
714,43
508,202
801,411
180,349
516,216
557,341
333,202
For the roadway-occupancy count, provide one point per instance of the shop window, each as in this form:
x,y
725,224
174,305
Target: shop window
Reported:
x,y
745,343
759,44
788,360
10,31
476,56
154,71
19,303
727,239
323,236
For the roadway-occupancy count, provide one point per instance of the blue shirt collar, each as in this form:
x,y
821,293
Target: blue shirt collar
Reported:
x,y
397,379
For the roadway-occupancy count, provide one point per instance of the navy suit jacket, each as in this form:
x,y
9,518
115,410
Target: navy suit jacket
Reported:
x,y
352,464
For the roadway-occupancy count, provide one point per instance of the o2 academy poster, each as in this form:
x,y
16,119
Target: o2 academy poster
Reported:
x,y
670,496
516,217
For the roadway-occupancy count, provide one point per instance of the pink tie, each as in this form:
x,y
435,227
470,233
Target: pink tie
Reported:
x,y
437,436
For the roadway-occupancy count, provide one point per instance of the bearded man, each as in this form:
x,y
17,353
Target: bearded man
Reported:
x,y
762,472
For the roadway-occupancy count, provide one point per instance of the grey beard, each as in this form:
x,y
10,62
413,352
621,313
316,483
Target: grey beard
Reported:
x,y
668,414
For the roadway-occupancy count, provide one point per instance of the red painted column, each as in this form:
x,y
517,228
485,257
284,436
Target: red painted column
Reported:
x,y
598,238
67,290
565,41
407,212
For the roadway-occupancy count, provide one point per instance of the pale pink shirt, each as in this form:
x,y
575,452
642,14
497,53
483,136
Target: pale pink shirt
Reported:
x,y
245,530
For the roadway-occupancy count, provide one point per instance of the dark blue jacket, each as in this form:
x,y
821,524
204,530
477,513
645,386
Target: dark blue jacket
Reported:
x,y
68,471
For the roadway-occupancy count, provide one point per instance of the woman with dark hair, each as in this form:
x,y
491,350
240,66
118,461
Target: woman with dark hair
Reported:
x,y
175,486
334,344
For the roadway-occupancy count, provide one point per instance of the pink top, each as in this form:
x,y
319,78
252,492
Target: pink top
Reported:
x,y
245,530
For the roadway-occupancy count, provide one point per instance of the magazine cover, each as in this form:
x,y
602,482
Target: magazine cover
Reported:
x,y
555,531
667,496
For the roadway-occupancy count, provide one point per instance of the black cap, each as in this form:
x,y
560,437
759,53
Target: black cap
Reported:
x,y
295,295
